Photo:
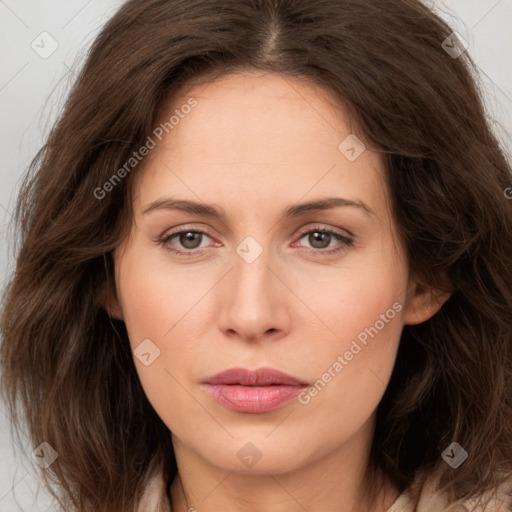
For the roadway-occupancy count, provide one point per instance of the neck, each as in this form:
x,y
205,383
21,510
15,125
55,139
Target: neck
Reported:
x,y
336,482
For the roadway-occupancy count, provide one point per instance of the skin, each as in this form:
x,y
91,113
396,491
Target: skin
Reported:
x,y
255,144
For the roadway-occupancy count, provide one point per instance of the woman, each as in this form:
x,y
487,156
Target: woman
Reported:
x,y
265,264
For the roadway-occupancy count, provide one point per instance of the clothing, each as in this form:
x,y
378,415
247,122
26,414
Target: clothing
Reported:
x,y
430,500
155,498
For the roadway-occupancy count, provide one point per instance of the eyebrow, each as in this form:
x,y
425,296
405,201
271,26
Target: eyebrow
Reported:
x,y
209,210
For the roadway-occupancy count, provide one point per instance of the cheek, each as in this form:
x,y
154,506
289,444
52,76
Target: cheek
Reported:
x,y
158,306
351,297
351,377
166,304
154,298
363,305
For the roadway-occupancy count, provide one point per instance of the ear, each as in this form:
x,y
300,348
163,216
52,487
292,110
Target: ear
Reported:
x,y
423,302
110,303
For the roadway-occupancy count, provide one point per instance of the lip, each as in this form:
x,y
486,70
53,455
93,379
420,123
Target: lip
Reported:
x,y
253,391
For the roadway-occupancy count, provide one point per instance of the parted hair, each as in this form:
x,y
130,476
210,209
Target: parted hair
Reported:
x,y
68,374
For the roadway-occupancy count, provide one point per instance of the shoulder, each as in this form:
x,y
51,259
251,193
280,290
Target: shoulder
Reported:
x,y
154,491
430,499
497,500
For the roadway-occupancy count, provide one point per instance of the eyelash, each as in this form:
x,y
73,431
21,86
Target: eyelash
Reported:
x,y
347,241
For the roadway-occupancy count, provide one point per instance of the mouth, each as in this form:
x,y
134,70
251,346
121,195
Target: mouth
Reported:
x,y
253,391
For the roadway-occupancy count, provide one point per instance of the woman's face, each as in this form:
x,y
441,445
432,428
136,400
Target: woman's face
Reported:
x,y
262,286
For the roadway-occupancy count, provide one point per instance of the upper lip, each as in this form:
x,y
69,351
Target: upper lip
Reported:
x,y
257,377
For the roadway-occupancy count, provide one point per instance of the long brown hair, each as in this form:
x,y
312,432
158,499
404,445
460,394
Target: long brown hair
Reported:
x,y
68,367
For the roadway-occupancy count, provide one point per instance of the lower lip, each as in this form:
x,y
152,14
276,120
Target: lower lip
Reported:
x,y
253,399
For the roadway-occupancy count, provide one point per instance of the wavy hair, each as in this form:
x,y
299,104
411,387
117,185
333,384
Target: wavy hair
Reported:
x,y
67,369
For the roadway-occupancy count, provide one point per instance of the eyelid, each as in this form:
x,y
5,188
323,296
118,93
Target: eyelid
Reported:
x,y
325,228
162,239
301,232
346,239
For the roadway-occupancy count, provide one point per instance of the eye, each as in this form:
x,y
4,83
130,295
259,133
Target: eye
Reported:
x,y
189,239
320,239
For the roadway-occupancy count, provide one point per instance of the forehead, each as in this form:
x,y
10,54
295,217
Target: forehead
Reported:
x,y
257,133
252,103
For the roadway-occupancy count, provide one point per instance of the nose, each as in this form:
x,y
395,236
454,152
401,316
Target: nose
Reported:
x,y
255,302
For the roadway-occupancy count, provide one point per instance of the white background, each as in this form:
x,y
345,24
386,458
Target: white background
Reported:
x,y
32,89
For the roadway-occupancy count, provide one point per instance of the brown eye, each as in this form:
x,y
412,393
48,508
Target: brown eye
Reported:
x,y
320,240
189,240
